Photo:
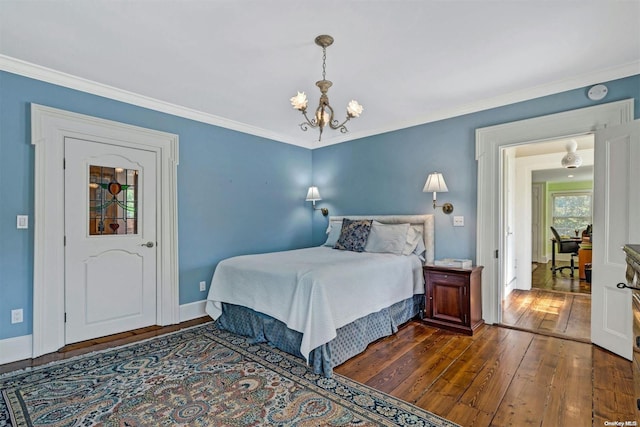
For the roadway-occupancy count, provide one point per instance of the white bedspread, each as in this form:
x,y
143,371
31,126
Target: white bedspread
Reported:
x,y
316,290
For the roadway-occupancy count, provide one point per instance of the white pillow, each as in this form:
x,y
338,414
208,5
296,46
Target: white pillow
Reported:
x,y
333,233
387,238
420,249
414,243
413,238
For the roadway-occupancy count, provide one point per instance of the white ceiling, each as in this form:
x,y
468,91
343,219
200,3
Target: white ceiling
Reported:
x,y
557,148
236,63
583,173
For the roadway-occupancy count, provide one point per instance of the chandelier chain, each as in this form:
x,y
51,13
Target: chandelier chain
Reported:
x,y
324,65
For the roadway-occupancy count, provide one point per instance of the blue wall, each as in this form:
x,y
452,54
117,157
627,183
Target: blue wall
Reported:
x,y
237,193
385,174
240,194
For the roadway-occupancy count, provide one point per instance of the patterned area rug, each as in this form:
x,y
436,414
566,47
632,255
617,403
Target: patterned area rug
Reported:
x,y
197,377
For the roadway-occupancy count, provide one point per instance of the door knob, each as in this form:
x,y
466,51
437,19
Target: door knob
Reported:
x,y
148,244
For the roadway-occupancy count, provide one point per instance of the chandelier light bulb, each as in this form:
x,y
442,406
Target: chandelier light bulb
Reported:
x,y
299,101
354,109
322,117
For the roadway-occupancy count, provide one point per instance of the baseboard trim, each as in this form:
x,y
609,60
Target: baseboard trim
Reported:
x,y
17,348
21,348
192,310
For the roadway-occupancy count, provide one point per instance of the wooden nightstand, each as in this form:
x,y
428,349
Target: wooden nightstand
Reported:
x,y
453,298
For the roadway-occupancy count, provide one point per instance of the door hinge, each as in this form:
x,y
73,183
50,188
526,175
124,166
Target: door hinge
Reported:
x,y
64,241
65,317
496,254
64,163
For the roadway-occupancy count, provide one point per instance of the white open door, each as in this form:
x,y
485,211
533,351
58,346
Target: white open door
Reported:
x,y
616,222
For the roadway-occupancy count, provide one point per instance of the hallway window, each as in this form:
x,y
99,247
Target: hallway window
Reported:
x,y
571,212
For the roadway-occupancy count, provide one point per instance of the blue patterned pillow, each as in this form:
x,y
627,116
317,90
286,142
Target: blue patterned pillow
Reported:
x,y
354,235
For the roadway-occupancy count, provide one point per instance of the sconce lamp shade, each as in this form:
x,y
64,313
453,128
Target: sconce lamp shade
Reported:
x,y
435,182
313,195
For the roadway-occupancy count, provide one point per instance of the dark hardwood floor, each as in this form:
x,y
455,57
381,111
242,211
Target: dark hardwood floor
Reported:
x,y
103,343
500,377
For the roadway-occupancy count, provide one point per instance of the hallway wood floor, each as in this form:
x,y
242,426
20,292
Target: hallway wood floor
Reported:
x,y
543,278
557,305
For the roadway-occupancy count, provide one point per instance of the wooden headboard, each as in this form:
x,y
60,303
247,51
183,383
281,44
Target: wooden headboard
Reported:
x,y
424,223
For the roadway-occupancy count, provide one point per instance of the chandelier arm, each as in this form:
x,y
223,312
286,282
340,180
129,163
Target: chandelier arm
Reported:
x,y
341,126
312,123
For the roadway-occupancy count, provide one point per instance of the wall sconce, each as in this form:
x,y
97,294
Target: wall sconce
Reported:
x,y
313,195
435,182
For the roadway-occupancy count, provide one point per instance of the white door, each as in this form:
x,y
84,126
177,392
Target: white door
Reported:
x,y
110,239
616,214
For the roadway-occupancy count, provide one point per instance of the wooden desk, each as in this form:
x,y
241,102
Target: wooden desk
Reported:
x,y
584,257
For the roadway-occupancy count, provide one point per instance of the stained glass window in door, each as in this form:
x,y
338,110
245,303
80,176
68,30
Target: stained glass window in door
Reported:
x,y
113,200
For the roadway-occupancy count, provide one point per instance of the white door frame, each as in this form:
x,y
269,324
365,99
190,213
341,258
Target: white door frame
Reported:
x,y
537,208
510,279
49,128
489,142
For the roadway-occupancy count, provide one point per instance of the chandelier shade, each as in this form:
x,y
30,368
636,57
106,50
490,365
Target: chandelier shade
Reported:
x,y
324,114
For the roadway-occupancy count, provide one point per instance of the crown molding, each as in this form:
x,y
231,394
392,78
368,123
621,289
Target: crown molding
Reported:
x,y
577,82
27,69
34,71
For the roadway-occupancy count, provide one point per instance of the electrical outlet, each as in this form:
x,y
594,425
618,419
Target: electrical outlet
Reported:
x,y
458,221
16,315
203,286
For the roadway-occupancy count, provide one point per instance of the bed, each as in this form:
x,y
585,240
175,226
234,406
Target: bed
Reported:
x,y
324,304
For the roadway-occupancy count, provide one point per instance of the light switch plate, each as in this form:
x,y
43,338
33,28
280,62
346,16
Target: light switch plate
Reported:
x,y
22,221
458,221
16,316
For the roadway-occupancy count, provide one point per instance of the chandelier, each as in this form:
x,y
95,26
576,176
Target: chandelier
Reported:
x,y
324,113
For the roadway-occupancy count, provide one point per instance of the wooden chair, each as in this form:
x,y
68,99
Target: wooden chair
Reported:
x,y
563,246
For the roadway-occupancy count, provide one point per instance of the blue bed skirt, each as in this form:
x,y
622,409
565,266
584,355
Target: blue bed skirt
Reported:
x,y
351,339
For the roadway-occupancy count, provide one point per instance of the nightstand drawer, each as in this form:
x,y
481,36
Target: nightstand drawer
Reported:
x,y
449,278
